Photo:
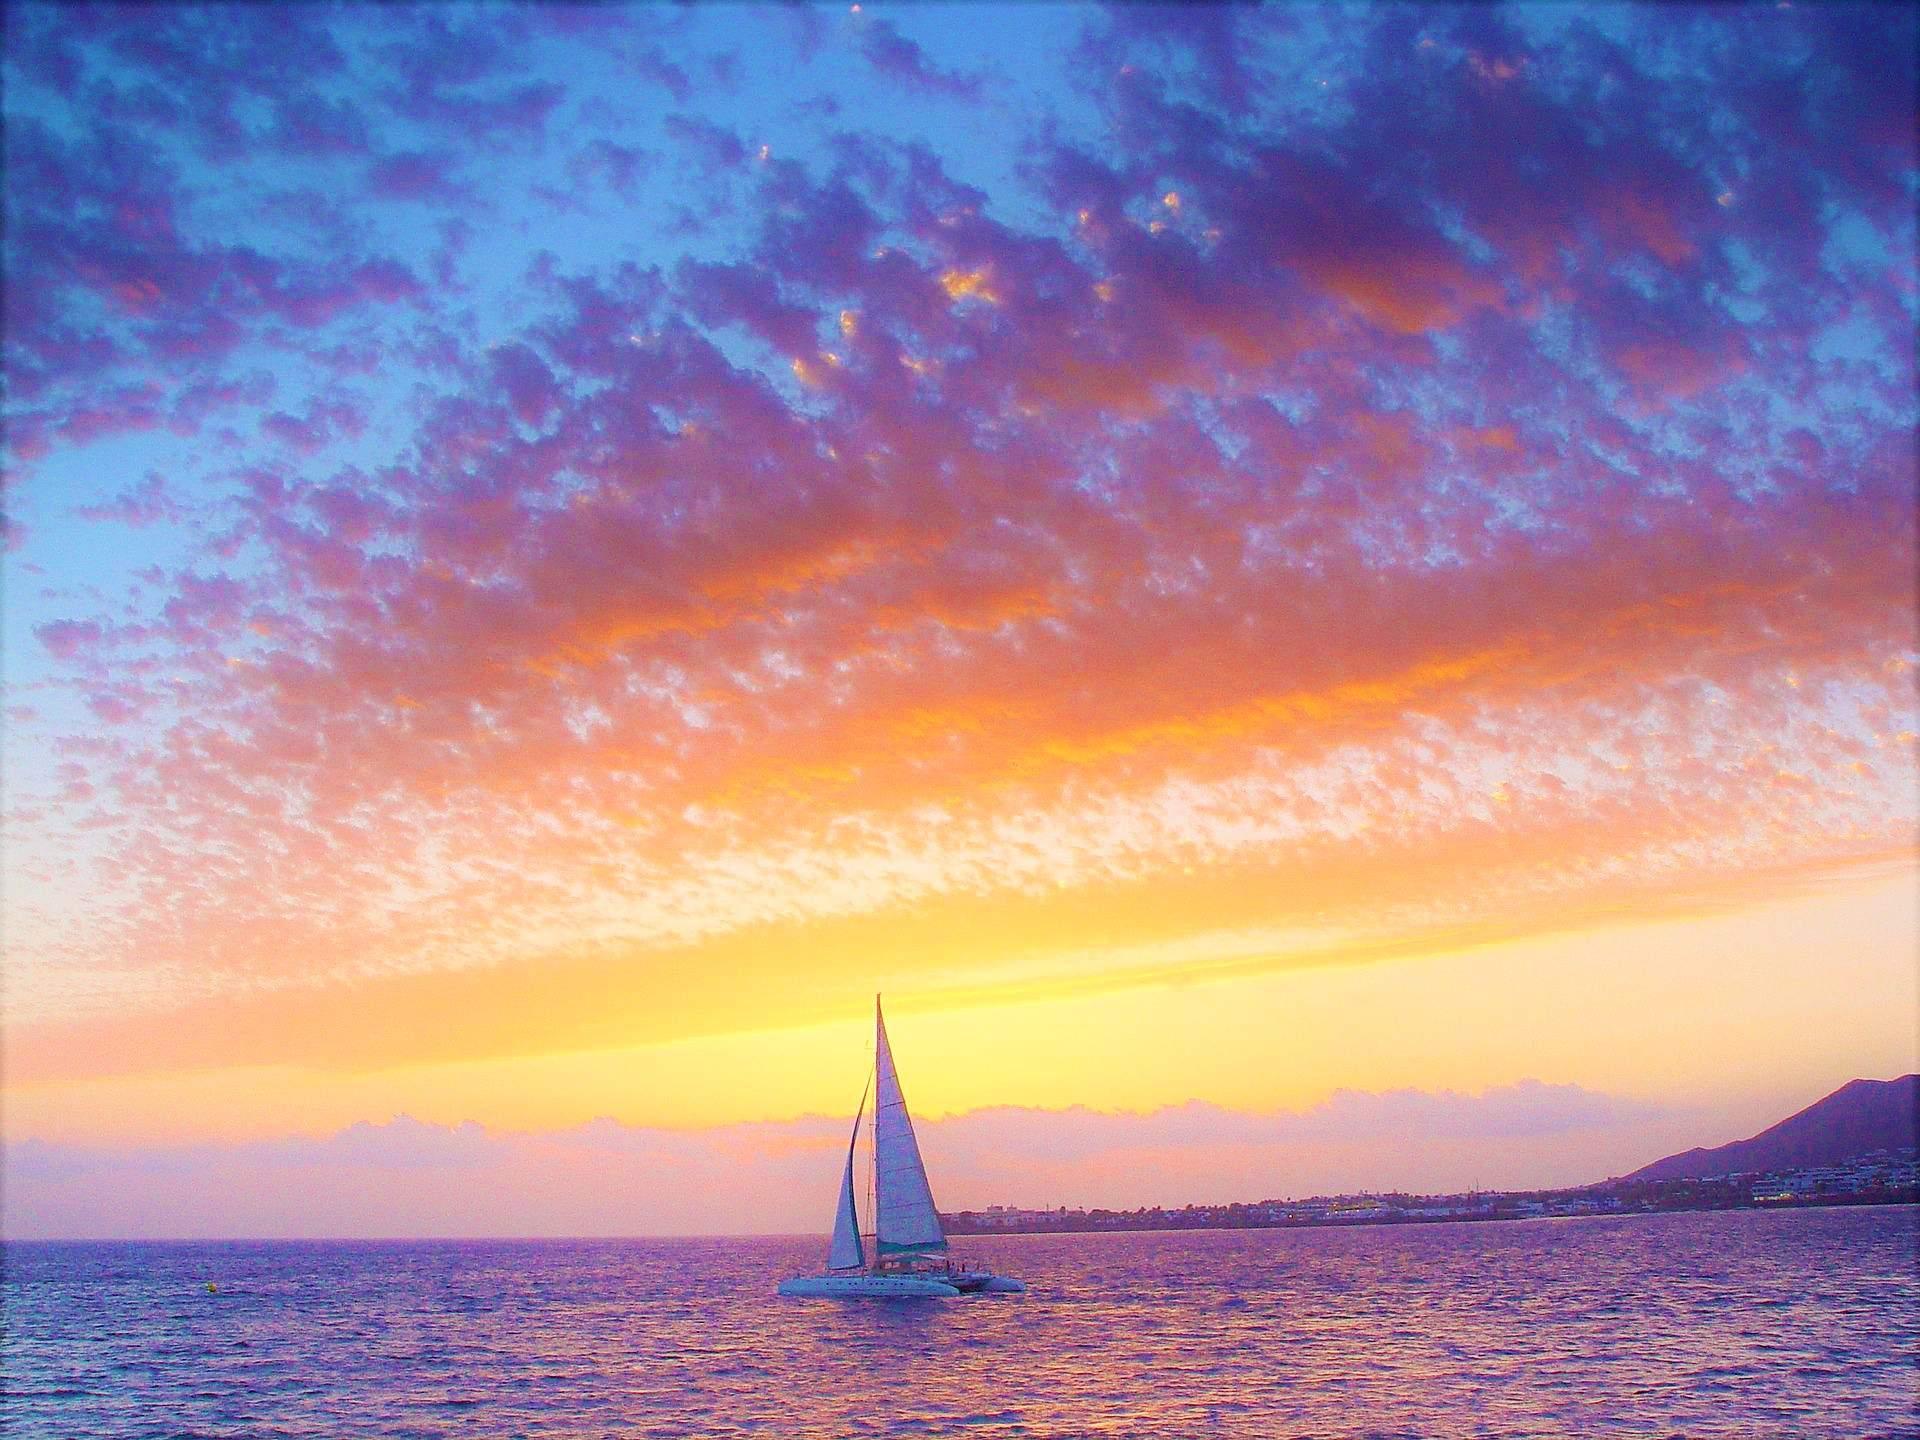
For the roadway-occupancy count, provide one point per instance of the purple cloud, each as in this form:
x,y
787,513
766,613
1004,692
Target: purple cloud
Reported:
x,y
898,58
149,503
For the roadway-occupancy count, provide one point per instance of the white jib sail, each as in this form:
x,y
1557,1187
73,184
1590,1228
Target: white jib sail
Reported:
x,y
905,1221
846,1252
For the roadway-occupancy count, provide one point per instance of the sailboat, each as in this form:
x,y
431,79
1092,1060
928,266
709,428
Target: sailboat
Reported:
x,y
909,1248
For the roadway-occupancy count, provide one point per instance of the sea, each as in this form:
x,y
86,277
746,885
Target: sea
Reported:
x,y
1751,1323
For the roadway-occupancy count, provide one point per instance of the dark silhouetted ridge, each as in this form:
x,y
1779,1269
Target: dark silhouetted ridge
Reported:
x,y
1860,1117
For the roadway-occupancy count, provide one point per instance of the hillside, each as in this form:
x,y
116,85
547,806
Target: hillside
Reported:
x,y
1861,1116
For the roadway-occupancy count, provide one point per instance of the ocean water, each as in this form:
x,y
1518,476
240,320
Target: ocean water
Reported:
x,y
1740,1324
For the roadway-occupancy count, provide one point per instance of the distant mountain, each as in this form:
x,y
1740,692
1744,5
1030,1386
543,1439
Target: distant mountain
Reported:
x,y
1859,1117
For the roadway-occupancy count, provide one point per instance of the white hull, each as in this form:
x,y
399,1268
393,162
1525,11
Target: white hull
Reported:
x,y
925,1286
868,1287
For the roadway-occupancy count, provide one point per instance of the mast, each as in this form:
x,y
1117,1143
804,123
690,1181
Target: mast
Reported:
x,y
873,1153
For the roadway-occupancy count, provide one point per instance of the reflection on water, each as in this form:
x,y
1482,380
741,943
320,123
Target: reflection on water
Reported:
x,y
1749,1323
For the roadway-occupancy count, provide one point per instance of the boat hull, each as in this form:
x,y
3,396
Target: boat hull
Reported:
x,y
982,1282
867,1287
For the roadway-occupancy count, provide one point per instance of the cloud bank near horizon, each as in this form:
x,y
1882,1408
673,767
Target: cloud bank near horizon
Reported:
x,y
407,1177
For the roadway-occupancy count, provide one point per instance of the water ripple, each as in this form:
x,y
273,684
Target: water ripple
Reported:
x,y
1748,1324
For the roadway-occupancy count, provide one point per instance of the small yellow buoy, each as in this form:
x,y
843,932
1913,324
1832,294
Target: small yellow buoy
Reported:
x,y
212,1289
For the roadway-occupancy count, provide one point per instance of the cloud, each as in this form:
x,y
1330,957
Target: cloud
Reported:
x,y
148,503
898,58
69,639
407,1177
414,175
710,144
1402,500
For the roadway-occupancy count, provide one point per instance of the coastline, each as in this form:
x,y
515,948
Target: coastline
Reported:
x,y
1386,1210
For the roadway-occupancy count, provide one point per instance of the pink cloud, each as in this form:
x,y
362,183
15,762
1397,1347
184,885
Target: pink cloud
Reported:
x,y
406,1177
149,503
531,389
324,422
70,639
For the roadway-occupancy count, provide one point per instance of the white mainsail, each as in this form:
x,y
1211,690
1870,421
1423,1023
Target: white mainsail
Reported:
x,y
846,1252
905,1222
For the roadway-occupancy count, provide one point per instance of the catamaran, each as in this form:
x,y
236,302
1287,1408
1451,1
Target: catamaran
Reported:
x,y
909,1247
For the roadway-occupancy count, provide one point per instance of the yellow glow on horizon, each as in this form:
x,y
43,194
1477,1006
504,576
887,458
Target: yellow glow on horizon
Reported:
x,y
1616,1010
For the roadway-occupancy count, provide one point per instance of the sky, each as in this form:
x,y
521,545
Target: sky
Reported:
x,y
1322,597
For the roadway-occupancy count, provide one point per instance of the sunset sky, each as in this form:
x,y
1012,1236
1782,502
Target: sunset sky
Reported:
x,y
1324,598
